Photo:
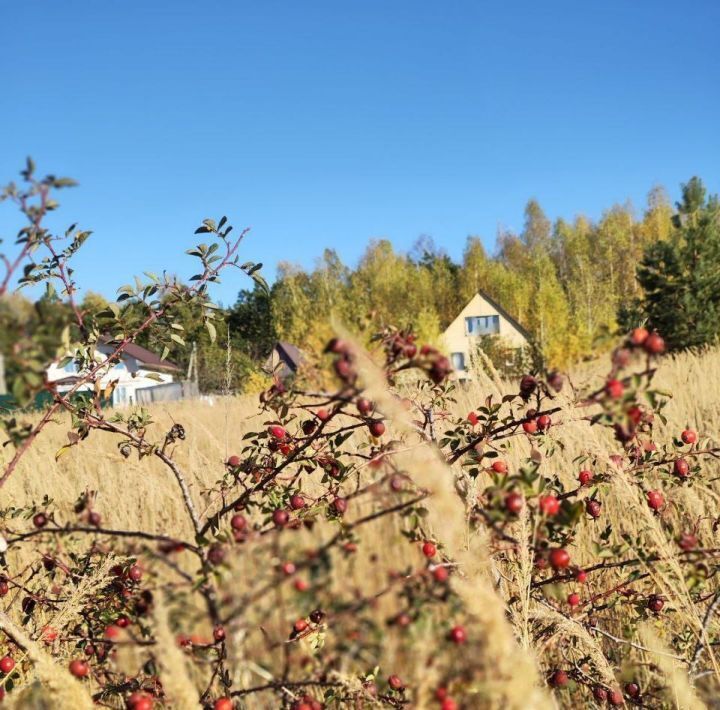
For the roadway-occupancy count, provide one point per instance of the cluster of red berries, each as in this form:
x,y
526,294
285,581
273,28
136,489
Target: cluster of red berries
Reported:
x,y
534,422
344,363
400,345
651,343
436,365
445,700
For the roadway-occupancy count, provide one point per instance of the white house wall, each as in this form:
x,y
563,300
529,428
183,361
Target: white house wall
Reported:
x,y
129,374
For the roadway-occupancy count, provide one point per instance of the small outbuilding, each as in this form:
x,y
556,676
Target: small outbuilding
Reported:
x,y
284,360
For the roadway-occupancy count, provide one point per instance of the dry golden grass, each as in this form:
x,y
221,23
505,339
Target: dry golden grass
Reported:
x,y
142,495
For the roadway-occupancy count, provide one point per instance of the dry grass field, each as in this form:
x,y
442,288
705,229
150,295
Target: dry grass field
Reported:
x,y
518,634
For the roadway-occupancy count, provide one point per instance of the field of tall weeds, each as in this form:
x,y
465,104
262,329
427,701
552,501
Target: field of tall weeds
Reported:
x,y
480,619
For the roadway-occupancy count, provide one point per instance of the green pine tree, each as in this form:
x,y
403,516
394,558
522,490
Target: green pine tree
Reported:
x,y
680,277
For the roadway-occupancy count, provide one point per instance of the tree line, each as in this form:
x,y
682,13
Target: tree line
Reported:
x,y
572,284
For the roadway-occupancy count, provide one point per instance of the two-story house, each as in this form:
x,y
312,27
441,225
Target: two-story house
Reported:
x,y
481,316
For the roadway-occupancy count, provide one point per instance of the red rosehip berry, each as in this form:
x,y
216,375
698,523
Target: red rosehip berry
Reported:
x,y
530,426
397,483
48,634
514,503
632,690
223,703
219,633
277,432
364,406
654,344
655,500
549,505
655,603
112,632
339,506
687,542
216,554
689,436
429,549
238,522
395,683
473,418
635,414
543,422
558,679
80,669
681,468
301,585
322,414
600,694
344,369
7,663
448,704
300,625
139,701
581,576
377,428
280,517
440,574
402,619
288,568
573,599
638,336
499,467
593,508
614,389
615,698
40,520
584,477
297,502
527,385
458,635
556,380
233,461
559,558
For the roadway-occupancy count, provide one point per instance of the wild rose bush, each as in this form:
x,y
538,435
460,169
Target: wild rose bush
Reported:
x,y
264,587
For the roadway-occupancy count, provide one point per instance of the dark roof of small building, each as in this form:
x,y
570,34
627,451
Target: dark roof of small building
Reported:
x,y
288,354
505,314
147,357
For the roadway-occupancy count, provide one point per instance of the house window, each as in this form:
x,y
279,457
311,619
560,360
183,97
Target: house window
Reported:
x,y
458,361
482,325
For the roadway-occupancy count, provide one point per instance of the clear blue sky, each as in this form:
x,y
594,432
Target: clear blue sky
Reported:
x,y
328,123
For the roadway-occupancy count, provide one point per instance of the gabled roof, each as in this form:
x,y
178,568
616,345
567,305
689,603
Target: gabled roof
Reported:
x,y
288,354
149,359
524,331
